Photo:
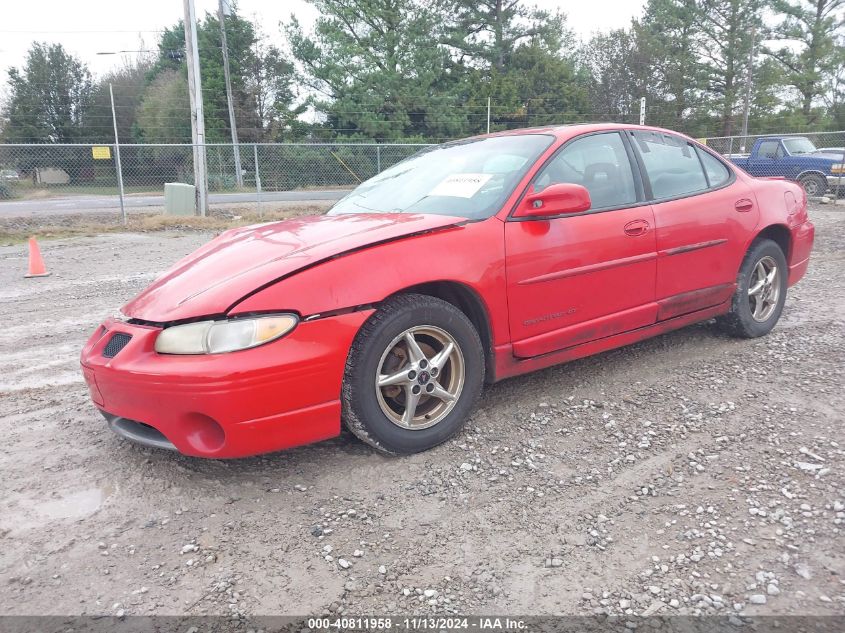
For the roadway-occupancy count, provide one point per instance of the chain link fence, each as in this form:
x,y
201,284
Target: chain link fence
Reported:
x,y
37,172
815,160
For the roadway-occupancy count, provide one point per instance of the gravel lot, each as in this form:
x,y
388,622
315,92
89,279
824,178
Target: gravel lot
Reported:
x,y
691,473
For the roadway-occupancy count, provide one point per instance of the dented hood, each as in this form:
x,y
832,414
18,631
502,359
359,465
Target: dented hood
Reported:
x,y
215,277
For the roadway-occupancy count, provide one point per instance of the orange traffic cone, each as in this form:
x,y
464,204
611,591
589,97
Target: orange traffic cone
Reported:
x,y
36,262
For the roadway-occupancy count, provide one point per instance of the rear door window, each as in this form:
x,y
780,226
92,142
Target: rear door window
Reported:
x,y
671,164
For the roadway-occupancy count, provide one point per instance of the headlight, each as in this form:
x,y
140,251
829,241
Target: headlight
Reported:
x,y
216,337
838,169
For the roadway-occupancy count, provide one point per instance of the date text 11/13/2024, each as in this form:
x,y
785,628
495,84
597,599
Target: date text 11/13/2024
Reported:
x,y
421,623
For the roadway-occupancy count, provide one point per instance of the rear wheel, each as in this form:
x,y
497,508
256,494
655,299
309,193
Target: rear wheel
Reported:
x,y
413,376
760,292
814,185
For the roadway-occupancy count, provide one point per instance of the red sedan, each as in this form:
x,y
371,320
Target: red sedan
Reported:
x,y
468,263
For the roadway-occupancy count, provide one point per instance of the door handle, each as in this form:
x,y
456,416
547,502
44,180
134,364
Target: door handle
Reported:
x,y
744,205
636,227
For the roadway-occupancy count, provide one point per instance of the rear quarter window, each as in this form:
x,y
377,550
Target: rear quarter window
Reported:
x,y
717,173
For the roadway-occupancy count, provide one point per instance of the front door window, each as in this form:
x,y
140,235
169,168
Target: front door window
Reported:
x,y
598,162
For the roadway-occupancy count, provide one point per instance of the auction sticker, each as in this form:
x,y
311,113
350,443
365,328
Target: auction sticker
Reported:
x,y
460,185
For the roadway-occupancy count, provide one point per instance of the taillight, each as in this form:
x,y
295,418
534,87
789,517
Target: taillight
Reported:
x,y
802,205
796,207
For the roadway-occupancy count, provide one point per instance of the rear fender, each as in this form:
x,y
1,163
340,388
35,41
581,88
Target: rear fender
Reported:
x,y
783,209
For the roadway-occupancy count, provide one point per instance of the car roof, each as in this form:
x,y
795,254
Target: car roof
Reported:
x,y
574,129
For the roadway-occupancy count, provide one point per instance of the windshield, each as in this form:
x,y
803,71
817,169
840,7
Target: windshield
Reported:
x,y
470,179
799,145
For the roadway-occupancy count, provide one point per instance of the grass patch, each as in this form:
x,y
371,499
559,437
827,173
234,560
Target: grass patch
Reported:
x,y
16,230
26,190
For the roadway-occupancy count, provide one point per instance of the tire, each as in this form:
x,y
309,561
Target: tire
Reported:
x,y
379,415
754,314
814,185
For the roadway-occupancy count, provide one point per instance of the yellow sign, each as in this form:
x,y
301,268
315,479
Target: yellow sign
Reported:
x,y
102,152
703,141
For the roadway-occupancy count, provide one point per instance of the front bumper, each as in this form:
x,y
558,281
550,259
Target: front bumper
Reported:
x,y
138,432
260,400
835,182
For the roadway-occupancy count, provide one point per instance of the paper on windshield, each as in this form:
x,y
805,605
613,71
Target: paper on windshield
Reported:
x,y
460,185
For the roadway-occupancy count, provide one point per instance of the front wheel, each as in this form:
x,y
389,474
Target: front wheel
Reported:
x,y
413,375
760,292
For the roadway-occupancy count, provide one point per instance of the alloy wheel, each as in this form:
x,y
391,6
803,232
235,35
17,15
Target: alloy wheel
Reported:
x,y
764,289
420,377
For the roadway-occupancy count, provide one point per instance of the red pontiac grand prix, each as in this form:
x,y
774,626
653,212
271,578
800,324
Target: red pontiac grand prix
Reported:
x,y
467,263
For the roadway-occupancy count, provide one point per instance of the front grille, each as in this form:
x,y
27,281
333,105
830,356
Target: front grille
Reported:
x,y
117,342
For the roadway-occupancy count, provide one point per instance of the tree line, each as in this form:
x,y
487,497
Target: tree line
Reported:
x,y
424,70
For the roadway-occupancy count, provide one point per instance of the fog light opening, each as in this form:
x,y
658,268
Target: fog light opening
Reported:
x,y
203,433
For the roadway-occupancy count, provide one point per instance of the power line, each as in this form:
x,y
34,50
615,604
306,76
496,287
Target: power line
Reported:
x,y
76,31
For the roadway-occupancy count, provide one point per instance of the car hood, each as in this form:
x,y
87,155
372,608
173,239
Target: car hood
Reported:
x,y
835,157
212,279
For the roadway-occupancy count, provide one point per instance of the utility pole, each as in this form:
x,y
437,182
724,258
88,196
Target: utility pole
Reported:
x,y
197,114
488,115
221,16
750,80
642,110
117,156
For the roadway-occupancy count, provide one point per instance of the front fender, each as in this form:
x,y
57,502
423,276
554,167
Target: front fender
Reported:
x,y
471,254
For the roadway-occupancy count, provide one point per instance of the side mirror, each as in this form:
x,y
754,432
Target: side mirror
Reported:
x,y
555,200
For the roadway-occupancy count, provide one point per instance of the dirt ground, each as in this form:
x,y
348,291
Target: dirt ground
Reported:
x,y
692,473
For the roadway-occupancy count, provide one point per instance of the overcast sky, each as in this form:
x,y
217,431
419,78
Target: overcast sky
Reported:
x,y
88,27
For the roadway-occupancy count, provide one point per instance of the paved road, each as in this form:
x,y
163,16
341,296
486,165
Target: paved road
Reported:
x,y
87,204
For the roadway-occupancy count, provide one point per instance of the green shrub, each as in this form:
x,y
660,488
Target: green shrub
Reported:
x,y
221,182
7,192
